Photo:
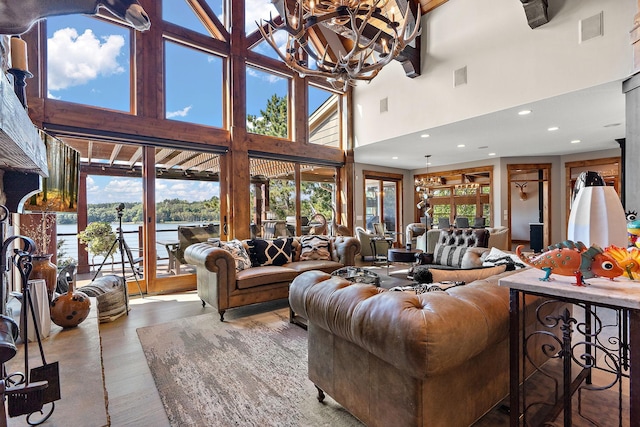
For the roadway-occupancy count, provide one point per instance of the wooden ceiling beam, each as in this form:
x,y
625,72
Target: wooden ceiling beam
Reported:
x,y
136,156
536,11
163,154
178,159
195,161
89,151
114,153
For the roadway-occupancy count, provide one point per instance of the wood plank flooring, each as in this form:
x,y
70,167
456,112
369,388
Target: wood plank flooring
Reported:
x,y
132,397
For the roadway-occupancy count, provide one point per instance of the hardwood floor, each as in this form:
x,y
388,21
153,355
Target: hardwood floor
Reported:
x,y
132,395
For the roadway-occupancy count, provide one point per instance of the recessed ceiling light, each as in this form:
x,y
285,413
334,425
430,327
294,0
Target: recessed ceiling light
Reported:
x,y
575,141
461,145
552,128
483,147
524,112
492,154
394,158
425,135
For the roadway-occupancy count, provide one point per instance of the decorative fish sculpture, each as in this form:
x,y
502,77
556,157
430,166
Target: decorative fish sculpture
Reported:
x,y
573,259
627,259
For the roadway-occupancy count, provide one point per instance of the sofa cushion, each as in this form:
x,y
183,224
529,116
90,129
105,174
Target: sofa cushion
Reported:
x,y
322,265
270,252
238,252
498,257
439,275
267,275
449,255
315,248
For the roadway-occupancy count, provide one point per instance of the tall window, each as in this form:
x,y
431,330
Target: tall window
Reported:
x,y
267,103
198,98
88,62
324,117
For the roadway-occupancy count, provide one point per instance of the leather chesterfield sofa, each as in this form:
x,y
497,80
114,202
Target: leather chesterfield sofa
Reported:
x,y
220,285
400,359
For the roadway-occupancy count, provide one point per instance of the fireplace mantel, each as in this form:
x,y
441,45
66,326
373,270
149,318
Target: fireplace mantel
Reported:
x,y
23,155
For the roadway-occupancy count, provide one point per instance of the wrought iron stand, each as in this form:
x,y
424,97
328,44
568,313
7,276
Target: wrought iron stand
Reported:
x,y
585,344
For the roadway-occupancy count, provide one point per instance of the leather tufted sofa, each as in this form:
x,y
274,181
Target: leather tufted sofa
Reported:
x,y
459,237
400,359
220,285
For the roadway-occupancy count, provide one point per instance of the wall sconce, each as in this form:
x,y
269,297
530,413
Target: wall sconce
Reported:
x,y
597,216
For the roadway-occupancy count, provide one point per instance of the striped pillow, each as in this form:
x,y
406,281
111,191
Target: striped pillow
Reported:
x,y
449,255
315,248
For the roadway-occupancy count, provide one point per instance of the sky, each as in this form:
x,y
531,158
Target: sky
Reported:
x,y
89,63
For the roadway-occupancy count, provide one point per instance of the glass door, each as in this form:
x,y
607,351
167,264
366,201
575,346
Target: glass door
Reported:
x,y
382,203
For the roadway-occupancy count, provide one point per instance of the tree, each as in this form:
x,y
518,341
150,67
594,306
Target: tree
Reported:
x,y
273,120
99,238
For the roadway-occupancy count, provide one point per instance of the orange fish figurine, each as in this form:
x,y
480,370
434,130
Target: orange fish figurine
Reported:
x,y
574,259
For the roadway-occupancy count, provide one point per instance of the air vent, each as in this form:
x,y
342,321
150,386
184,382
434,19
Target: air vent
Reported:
x,y
384,105
591,27
460,77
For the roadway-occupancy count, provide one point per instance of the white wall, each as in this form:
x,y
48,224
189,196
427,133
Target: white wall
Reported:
x,y
524,212
508,63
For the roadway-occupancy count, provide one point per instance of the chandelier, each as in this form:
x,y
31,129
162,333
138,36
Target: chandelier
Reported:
x,y
343,41
423,186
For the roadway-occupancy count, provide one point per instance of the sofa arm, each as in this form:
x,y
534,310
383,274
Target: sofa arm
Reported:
x,y
345,249
215,260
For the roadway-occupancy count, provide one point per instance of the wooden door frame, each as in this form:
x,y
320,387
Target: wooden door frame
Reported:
x,y
546,202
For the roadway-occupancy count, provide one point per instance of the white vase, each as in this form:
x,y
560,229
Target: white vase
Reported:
x,y
40,299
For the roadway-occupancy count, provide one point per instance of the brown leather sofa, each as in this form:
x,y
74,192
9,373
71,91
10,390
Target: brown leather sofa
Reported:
x,y
220,285
401,359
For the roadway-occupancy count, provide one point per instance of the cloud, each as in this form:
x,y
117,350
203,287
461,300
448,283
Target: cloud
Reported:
x,y
264,76
186,190
52,96
75,60
255,10
179,113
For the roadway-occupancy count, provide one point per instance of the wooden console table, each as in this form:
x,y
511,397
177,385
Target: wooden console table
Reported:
x,y
621,295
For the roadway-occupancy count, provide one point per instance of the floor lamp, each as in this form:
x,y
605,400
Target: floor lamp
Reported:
x,y
597,216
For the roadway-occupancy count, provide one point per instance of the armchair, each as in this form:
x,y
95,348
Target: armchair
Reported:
x,y
412,232
366,249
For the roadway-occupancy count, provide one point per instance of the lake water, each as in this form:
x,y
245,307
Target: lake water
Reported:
x,y
130,233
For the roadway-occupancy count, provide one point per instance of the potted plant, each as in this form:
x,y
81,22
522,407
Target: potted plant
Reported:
x,y
99,238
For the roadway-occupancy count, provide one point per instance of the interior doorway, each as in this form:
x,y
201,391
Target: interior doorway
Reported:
x,y
529,205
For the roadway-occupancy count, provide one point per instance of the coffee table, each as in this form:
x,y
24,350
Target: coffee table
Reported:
x,y
358,275
402,255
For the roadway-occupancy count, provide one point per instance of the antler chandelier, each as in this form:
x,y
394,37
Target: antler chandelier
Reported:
x,y
343,41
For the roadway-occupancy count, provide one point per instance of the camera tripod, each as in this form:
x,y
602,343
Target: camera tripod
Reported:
x,y
125,250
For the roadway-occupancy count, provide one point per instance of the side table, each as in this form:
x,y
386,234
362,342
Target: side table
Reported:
x,y
581,345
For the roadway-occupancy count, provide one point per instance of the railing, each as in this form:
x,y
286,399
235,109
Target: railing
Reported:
x,y
70,247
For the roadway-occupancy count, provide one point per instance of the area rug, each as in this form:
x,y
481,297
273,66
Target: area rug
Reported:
x,y
250,371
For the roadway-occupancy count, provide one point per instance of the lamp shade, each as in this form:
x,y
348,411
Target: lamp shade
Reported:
x,y
597,218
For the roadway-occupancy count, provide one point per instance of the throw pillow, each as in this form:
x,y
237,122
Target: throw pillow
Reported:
x,y
270,252
439,275
238,252
498,257
315,248
449,255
